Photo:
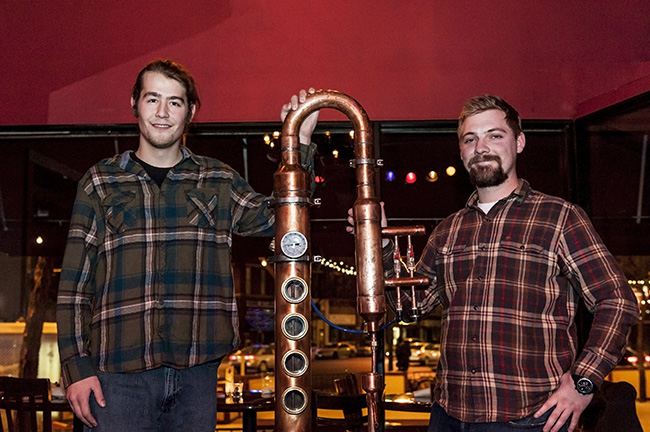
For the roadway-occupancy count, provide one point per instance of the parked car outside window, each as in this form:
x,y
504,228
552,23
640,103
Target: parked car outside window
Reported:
x,y
425,353
337,350
260,358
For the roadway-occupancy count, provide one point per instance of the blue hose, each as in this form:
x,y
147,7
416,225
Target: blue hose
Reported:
x,y
342,328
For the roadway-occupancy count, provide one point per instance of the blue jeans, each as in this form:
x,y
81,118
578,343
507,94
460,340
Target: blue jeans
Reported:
x,y
162,399
441,422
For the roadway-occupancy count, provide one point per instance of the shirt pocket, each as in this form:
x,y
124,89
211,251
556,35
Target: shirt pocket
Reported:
x,y
523,248
202,207
523,255
530,264
120,212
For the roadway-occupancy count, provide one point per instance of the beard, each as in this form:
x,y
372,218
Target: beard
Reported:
x,y
486,176
160,140
160,144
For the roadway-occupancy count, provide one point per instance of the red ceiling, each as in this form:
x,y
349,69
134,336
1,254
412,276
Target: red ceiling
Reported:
x,y
66,62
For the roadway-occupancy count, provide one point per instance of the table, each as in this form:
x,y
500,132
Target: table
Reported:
x,y
406,402
248,405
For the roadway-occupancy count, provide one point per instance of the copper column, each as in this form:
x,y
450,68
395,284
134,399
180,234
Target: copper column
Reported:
x,y
293,258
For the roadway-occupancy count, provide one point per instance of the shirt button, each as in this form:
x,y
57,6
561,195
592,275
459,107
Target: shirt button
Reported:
x,y
160,304
474,338
480,278
473,371
475,308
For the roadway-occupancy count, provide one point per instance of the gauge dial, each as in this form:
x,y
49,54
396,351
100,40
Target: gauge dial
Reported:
x,y
294,244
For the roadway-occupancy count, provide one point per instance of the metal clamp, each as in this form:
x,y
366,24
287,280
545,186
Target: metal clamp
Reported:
x,y
376,162
279,257
306,201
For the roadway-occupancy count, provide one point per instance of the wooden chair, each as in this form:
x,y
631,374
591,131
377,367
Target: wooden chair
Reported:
x,y
347,385
350,405
25,397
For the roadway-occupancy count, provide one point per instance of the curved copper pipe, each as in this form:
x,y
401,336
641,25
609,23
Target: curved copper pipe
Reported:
x,y
291,190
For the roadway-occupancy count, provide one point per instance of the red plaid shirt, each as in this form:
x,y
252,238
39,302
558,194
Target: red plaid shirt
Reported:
x,y
509,283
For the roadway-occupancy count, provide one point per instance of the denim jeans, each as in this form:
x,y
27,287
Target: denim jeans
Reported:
x,y
162,399
441,422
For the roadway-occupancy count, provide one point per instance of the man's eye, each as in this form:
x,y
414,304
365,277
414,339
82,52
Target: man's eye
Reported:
x,y
468,140
497,136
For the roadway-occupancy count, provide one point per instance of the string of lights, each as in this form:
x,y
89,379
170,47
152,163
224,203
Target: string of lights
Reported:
x,y
340,266
390,175
643,294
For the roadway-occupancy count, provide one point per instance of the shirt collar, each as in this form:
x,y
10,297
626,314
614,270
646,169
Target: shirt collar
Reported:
x,y
187,154
519,194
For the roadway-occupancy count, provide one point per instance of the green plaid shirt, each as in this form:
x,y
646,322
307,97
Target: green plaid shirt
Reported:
x,y
146,278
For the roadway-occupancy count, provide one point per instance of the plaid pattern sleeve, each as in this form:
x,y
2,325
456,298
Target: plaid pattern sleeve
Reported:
x,y
74,297
596,276
146,279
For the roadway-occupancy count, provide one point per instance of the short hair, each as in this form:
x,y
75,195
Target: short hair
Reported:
x,y
173,71
477,105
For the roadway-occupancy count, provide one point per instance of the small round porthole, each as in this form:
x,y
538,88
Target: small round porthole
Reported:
x,y
295,363
294,400
294,326
294,290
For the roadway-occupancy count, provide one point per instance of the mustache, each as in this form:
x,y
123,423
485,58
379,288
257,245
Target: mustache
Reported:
x,y
483,158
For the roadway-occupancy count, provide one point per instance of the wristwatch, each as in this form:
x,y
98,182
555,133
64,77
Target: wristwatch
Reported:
x,y
584,386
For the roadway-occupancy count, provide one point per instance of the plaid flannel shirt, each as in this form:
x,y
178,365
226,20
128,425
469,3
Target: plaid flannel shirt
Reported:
x,y
146,278
509,283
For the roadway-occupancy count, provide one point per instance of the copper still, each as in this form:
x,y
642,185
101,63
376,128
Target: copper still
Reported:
x,y
292,186
293,258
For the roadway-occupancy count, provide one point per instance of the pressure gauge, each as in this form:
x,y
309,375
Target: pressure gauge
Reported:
x,y
293,244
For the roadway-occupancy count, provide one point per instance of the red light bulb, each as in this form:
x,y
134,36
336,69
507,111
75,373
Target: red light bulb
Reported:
x,y
411,178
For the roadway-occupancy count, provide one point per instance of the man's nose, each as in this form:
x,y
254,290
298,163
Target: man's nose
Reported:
x,y
162,112
481,146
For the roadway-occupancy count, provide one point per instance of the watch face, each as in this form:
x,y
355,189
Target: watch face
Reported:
x,y
293,244
584,386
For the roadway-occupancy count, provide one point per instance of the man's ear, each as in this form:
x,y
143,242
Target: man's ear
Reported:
x,y
192,112
521,142
134,107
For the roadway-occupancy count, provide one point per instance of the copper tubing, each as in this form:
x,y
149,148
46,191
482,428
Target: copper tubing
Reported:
x,y
403,231
373,384
292,190
408,281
